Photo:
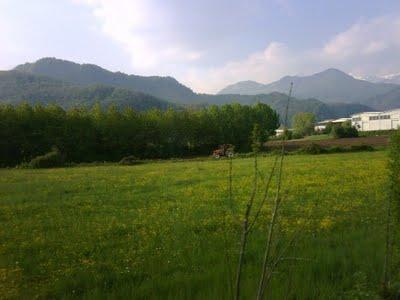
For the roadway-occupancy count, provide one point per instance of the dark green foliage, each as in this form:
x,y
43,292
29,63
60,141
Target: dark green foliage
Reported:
x,y
49,160
328,128
394,168
356,148
317,149
312,149
377,132
337,149
391,288
256,138
344,130
287,134
130,161
97,134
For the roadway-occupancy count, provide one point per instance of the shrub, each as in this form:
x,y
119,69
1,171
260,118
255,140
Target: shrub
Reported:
x,y
24,165
130,161
344,131
312,149
288,134
336,149
328,128
49,160
356,148
296,136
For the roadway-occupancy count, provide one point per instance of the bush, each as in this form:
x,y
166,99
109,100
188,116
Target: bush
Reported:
x,y
312,149
377,132
328,128
344,131
336,149
288,134
49,160
296,136
130,161
356,148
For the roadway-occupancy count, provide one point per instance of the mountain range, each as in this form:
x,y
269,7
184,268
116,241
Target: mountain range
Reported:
x,y
328,94
330,86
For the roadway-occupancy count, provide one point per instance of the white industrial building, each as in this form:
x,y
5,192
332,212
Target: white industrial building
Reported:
x,y
372,121
320,126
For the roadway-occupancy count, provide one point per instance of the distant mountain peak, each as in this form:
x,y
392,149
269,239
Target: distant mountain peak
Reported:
x,y
334,73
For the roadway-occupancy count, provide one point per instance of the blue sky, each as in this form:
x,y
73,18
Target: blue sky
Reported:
x,y
206,44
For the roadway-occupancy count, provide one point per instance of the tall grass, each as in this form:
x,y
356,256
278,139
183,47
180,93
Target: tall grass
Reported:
x,y
156,231
392,246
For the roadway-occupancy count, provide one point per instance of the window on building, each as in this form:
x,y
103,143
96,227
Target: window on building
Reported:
x,y
357,119
381,117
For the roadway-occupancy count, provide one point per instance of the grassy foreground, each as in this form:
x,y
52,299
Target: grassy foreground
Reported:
x,y
160,230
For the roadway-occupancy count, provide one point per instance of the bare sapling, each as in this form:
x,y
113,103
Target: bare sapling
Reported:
x,y
256,145
265,273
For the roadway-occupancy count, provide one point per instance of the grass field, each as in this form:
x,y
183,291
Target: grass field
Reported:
x,y
161,230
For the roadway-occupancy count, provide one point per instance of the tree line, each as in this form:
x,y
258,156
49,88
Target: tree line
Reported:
x,y
97,134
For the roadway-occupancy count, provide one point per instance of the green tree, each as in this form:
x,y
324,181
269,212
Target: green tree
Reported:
x,y
303,123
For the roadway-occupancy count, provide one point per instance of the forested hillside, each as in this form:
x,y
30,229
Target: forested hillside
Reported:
x,y
17,87
166,88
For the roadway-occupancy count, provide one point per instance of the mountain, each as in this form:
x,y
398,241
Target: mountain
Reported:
x,y
166,88
17,87
241,86
386,101
330,86
51,80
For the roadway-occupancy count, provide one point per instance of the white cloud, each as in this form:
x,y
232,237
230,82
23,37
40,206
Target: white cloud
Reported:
x,y
366,48
365,38
147,32
141,27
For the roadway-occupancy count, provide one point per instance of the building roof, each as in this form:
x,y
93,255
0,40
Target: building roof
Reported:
x,y
341,120
377,112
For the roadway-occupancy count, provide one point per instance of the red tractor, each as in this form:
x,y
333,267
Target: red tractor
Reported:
x,y
223,150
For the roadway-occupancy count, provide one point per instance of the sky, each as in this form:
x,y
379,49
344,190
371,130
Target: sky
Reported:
x,y
206,44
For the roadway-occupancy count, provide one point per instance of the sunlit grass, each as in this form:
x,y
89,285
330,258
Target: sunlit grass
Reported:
x,y
158,230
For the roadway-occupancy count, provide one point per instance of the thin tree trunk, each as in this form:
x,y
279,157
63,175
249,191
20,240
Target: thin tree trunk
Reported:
x,y
262,284
245,232
267,252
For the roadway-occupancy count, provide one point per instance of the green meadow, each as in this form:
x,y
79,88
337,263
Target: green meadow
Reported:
x,y
167,230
